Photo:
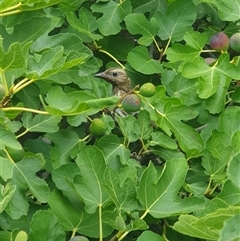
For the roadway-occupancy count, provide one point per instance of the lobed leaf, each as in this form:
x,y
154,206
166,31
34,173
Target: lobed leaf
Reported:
x,y
138,24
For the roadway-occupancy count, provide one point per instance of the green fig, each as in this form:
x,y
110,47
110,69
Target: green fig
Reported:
x,y
97,127
131,103
147,90
219,42
235,42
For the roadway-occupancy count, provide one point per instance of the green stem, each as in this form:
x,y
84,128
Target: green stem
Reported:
x,y
208,51
111,56
208,187
168,43
100,223
23,86
15,87
22,134
159,50
25,109
9,13
8,155
4,82
12,8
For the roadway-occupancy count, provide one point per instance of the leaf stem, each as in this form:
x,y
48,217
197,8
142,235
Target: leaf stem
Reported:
x,y
166,47
19,84
208,51
155,42
23,86
12,8
111,56
8,155
22,134
25,109
100,223
208,187
10,13
4,82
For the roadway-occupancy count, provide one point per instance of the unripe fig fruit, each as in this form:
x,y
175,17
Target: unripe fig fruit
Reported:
x,y
209,60
2,91
97,127
131,103
235,42
219,42
147,90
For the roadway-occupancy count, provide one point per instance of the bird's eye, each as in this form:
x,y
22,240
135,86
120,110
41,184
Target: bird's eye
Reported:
x,y
114,74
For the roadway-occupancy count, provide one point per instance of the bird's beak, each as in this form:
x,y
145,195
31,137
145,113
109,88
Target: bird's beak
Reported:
x,y
100,75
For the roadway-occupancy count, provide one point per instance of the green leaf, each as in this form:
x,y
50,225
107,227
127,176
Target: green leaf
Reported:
x,y
67,103
228,11
52,61
6,169
141,6
216,103
137,224
195,42
184,89
160,139
85,25
149,235
24,175
13,58
170,121
177,21
72,216
207,227
76,102
157,192
126,127
29,30
230,229
112,147
142,126
6,194
111,11
209,77
66,146
45,222
233,170
141,61
92,165
229,121
8,139
236,95
138,24
40,123
123,195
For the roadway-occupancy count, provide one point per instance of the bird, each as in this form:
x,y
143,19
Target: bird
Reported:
x,y
118,78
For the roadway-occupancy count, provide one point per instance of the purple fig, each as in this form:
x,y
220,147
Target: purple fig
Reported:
x,y
131,103
219,42
235,42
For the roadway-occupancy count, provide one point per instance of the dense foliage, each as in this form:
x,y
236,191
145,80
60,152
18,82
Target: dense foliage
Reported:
x,y
169,171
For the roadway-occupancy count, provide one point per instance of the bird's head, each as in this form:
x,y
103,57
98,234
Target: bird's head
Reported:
x,y
118,78
115,76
